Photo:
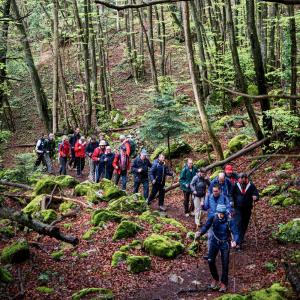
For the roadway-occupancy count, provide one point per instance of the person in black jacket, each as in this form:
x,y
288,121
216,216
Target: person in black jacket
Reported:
x,y
158,174
73,140
244,194
139,169
106,160
92,145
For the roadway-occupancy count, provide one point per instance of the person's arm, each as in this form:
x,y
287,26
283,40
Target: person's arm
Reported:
x,y
192,185
206,205
115,162
95,155
255,193
233,230
207,225
182,178
127,145
211,186
37,147
134,167
153,172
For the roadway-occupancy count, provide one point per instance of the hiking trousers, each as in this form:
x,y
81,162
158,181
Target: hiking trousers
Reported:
x,y
197,208
80,162
188,202
63,166
123,176
160,189
145,183
242,219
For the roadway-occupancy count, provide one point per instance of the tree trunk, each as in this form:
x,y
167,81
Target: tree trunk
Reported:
x,y
37,87
271,51
55,67
239,75
258,64
196,83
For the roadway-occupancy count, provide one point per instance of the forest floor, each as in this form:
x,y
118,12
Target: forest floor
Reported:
x,y
93,269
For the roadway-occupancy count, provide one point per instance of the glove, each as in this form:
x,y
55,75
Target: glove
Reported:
x,y
233,244
197,235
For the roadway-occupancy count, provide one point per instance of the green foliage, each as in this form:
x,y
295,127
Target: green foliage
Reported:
x,y
118,258
238,142
289,232
5,276
270,190
270,266
16,252
48,215
34,205
45,290
104,215
57,255
66,206
126,229
96,293
88,234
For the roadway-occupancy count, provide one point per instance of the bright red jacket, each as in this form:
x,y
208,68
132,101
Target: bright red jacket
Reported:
x,y
64,149
80,149
117,163
127,145
97,153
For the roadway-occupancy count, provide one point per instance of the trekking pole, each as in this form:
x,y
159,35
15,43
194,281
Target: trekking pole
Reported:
x,y
255,227
233,269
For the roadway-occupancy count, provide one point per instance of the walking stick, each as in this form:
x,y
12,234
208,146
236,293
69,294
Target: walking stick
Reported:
x,y
255,227
233,267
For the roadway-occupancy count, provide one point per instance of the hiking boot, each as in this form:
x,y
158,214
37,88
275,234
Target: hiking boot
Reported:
x,y
223,288
162,208
213,286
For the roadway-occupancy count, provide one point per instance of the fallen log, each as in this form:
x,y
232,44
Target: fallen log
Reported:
x,y
18,185
293,276
41,228
122,128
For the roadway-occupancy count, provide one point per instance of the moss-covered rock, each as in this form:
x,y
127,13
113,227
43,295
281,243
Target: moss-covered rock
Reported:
x,y
176,150
83,188
151,217
289,232
136,244
294,193
135,203
57,255
173,235
277,200
66,181
104,215
7,231
238,142
137,264
286,166
282,174
66,206
96,293
16,252
174,223
45,185
201,163
268,169
227,153
118,258
48,216
45,290
34,205
270,190
288,202
192,248
190,235
126,229
110,190
162,246
157,228
5,276
204,148
89,233
221,123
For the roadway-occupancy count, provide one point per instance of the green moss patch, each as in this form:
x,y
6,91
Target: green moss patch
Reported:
x,y
88,234
110,190
126,229
57,255
162,246
7,231
289,232
118,258
270,190
66,181
201,163
66,206
174,223
238,142
176,150
192,249
173,235
286,166
44,290
96,293
34,205
135,203
151,217
83,188
104,215
5,276
48,215
136,244
137,264
16,252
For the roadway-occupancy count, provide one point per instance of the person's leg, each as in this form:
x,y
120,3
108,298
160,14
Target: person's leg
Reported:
x,y
153,193
146,188
48,162
212,254
191,203
237,220
136,186
82,160
186,202
78,167
117,178
38,159
124,180
197,209
225,250
161,196
209,236
246,215
72,160
60,165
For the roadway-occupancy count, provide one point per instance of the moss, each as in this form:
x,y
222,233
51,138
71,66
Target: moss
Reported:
x,y
7,231
135,203
97,293
190,235
201,163
238,142
227,153
34,205
158,150
83,188
118,258
289,232
93,196
16,252
174,223
286,166
48,216
215,173
270,190
295,257
66,181
176,150
204,148
137,264
282,174
151,217
68,225
5,276
104,215
126,229
277,200
45,290
157,228
162,246
294,193
192,249
136,244
173,235
110,190
269,169
57,255
270,266
83,255
219,124
288,202
66,206
252,89
125,248
88,234
45,185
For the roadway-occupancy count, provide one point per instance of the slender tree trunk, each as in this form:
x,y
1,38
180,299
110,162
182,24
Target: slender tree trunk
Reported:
x,y
271,51
196,83
258,64
263,15
133,53
40,96
55,67
293,37
239,75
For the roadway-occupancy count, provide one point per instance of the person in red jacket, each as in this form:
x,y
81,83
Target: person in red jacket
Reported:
x,y
80,155
64,153
96,157
125,142
121,165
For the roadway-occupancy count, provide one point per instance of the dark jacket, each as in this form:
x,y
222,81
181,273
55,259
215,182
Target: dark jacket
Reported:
x,y
211,203
90,148
106,167
41,146
50,146
233,178
242,195
186,177
158,172
226,187
73,139
222,228
199,185
139,163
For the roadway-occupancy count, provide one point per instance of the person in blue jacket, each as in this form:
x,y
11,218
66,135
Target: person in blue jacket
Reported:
x,y
225,186
106,163
224,232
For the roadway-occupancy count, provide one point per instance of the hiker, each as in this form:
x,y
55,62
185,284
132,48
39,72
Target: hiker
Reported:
x,y
51,145
64,154
101,137
121,165
158,173
223,231
187,174
244,195
80,155
73,140
224,184
232,176
139,169
125,142
92,145
199,186
41,151
106,160
98,152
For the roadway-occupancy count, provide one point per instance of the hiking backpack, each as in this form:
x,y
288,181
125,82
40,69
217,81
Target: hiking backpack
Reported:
x,y
133,147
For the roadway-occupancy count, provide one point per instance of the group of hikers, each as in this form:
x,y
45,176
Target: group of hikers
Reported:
x,y
228,199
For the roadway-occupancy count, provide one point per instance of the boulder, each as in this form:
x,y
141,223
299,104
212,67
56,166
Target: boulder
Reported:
x,y
110,190
289,232
135,203
221,123
16,252
95,293
83,188
66,181
238,142
162,246
173,235
270,190
137,264
126,229
104,215
151,217
119,257
176,150
5,276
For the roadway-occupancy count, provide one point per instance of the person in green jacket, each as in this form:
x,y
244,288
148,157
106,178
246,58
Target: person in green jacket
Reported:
x,y
186,176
